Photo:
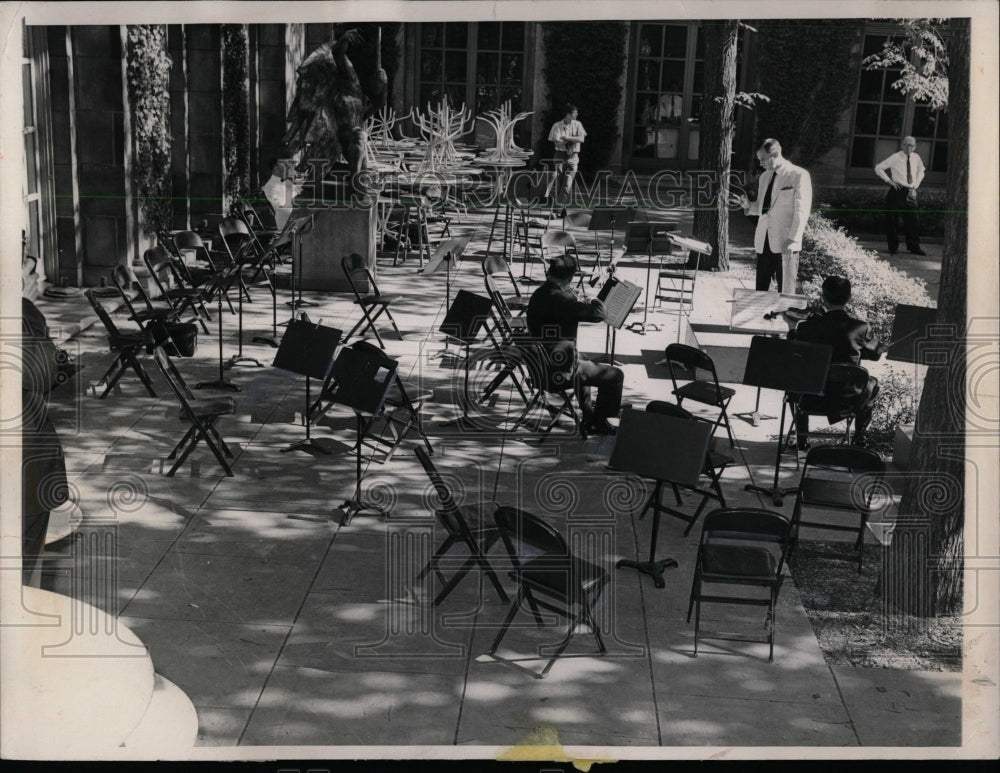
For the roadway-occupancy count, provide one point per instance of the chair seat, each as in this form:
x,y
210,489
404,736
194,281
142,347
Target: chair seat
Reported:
x,y
183,292
738,562
215,406
552,574
715,460
704,392
516,304
671,273
377,300
126,340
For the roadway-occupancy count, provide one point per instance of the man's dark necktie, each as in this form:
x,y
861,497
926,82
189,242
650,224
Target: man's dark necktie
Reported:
x,y
909,177
766,206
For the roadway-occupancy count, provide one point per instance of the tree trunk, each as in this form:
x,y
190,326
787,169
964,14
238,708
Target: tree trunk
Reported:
x,y
715,145
933,499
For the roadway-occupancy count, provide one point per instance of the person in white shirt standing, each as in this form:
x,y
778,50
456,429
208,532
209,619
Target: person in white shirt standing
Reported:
x,y
903,171
568,134
784,198
280,189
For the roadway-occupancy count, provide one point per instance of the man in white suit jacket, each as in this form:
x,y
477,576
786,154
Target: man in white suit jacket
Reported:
x,y
784,199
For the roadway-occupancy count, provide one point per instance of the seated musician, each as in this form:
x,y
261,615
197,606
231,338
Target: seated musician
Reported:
x,y
553,314
852,341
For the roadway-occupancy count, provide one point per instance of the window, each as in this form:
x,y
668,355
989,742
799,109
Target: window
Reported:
x,y
481,65
883,116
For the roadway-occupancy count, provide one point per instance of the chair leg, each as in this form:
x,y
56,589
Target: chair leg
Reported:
x,y
507,621
141,373
697,624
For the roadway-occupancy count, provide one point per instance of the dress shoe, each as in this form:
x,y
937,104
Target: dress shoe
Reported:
x,y
600,427
917,251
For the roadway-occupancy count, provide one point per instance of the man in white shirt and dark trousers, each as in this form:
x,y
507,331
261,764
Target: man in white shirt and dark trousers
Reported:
x,y
784,198
903,171
567,135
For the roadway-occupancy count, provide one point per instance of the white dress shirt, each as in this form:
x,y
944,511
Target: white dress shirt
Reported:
x,y
896,164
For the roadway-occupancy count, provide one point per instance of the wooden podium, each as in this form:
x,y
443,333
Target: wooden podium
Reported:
x,y
335,232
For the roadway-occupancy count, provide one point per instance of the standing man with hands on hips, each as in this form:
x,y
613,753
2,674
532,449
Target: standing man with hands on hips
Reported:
x,y
783,202
903,171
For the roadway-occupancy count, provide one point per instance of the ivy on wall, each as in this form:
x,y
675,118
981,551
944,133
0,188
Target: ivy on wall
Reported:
x,y
148,74
235,112
584,63
808,69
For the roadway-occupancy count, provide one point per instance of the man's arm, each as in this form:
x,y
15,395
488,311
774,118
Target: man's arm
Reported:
x,y
581,311
801,205
882,170
753,207
918,173
872,347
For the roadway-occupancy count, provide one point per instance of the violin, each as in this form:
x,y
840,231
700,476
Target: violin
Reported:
x,y
798,315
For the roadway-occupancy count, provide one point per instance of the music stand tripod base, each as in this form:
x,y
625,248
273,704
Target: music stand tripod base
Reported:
x,y
642,327
220,383
239,359
351,508
272,342
777,493
653,568
309,445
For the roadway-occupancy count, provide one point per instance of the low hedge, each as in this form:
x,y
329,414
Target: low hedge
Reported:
x,y
862,210
877,285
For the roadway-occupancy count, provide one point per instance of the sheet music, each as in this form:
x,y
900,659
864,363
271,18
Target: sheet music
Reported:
x,y
619,296
750,306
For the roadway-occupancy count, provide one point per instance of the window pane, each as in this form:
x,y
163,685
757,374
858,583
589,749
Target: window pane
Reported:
x,y
488,35
866,120
513,36
430,93
885,147
430,65
672,76
892,121
676,44
873,44
696,106
432,35
940,161
456,95
512,67
649,73
923,122
486,99
514,97
870,88
863,152
889,94
487,70
456,34
941,119
693,138
650,40
454,66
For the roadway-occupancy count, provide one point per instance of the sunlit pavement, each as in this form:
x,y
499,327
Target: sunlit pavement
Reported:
x,y
286,628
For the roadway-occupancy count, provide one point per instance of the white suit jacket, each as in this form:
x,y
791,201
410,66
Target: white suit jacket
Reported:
x,y
791,200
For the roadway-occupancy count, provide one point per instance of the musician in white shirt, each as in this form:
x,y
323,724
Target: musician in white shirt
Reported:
x,y
903,171
567,135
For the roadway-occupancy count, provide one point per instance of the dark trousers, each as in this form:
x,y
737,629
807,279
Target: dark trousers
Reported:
x,y
608,380
33,529
768,267
902,201
861,421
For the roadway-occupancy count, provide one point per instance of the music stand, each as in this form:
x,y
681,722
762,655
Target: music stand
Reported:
x,y
466,316
792,367
363,382
241,260
307,350
622,295
910,324
298,227
606,220
446,254
648,237
666,449
221,382
751,312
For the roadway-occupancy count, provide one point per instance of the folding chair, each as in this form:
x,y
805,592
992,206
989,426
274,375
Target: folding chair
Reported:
x,y
170,286
741,546
843,479
124,280
705,391
715,465
547,378
125,347
548,577
508,331
497,265
220,272
243,252
353,265
842,399
553,240
452,518
201,415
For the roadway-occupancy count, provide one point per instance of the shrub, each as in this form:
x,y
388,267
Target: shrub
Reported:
x,y
862,210
899,394
877,285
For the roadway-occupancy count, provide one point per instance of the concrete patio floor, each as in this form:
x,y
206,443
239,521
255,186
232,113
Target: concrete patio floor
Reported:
x,y
291,632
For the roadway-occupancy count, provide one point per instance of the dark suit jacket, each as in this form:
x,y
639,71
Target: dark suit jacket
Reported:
x,y
852,339
553,316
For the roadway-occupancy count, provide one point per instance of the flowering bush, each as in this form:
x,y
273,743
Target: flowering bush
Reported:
x,y
877,285
898,396
148,72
